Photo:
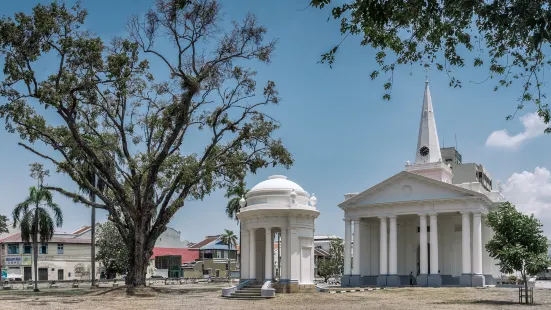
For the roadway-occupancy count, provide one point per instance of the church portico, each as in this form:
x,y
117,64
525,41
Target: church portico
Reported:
x,y
428,245
417,225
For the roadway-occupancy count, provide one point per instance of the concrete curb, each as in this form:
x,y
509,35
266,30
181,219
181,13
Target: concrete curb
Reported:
x,y
350,290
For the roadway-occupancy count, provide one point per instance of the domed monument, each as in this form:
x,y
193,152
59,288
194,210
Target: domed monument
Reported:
x,y
278,206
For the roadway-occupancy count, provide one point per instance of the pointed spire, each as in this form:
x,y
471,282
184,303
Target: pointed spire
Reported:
x,y
428,147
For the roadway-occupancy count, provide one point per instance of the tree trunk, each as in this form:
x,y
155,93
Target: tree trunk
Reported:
x,y
35,249
525,288
229,262
93,242
140,252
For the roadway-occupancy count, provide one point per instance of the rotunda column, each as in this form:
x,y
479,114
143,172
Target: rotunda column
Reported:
x,y
268,266
283,243
252,253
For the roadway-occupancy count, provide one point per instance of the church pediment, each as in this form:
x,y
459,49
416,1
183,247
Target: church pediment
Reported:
x,y
406,186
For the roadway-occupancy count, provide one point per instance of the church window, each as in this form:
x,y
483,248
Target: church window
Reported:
x,y
419,229
457,228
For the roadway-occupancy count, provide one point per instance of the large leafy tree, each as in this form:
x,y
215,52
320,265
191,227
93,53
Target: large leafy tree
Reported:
x,y
230,239
518,243
112,252
4,224
33,216
135,130
507,38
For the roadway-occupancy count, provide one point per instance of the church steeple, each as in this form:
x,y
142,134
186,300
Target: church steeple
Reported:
x,y
428,147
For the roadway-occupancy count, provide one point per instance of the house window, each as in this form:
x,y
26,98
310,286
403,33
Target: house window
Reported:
x,y
59,248
27,249
13,248
43,249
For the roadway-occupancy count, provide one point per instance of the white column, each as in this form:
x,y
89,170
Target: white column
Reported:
x,y
268,265
284,257
357,251
347,241
252,253
433,244
466,242
383,249
393,247
477,243
245,253
423,259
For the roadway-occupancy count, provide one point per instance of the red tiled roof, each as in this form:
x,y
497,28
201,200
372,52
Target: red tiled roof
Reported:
x,y
82,229
204,242
16,238
187,254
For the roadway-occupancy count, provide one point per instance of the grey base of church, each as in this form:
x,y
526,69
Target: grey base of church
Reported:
x,y
489,280
345,280
393,281
478,280
355,280
422,280
465,279
381,280
434,280
369,280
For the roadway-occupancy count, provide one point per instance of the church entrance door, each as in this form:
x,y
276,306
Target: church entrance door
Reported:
x,y
419,258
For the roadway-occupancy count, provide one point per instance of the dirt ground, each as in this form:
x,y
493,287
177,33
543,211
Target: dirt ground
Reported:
x,y
401,298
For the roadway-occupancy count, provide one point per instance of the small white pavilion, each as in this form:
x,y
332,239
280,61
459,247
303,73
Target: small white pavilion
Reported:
x,y
417,222
278,205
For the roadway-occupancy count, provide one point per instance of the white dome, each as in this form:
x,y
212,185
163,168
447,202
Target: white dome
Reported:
x,y
277,182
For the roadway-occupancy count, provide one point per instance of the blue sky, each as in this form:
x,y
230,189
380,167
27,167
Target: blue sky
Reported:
x,y
343,136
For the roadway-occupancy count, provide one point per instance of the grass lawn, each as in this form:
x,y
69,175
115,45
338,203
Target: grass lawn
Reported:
x,y
401,298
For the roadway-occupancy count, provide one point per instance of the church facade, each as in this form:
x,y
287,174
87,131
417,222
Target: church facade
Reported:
x,y
419,225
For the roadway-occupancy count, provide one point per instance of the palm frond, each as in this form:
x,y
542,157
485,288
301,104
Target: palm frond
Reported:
x,y
58,215
45,225
19,212
27,226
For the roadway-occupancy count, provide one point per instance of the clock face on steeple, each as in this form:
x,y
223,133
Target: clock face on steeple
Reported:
x,y
424,151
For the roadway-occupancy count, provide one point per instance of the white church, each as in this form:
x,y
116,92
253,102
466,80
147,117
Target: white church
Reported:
x,y
426,221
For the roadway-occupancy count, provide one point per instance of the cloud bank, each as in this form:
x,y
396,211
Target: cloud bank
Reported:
x,y
533,127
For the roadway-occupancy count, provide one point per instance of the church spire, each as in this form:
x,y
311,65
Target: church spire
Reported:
x,y
428,147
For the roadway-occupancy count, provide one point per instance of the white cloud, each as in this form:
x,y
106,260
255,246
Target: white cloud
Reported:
x,y
531,193
533,127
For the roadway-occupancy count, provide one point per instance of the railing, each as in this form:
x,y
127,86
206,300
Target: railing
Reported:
x,y
226,292
267,290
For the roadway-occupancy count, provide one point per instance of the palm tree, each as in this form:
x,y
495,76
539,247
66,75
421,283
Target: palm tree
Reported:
x,y
230,239
35,221
235,193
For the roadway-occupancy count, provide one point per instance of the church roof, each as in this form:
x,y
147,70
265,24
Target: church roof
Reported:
x,y
405,174
428,136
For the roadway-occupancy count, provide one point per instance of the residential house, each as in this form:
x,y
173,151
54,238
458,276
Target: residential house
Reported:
x,y
213,259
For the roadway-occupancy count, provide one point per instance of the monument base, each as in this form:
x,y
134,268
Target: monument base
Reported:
x,y
293,288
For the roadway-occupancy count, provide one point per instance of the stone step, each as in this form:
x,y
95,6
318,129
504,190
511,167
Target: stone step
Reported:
x,y
247,297
251,289
253,286
247,293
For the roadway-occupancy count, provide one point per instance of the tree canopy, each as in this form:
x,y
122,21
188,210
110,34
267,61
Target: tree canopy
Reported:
x,y
96,108
334,264
508,39
518,242
4,224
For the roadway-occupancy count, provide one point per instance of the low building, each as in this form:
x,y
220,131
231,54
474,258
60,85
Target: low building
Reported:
x,y
170,262
213,259
64,257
